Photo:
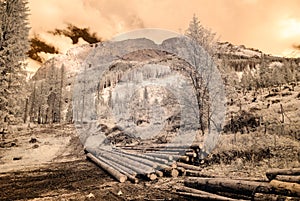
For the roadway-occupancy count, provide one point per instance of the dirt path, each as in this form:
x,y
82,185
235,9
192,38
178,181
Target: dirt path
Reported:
x,y
54,168
76,180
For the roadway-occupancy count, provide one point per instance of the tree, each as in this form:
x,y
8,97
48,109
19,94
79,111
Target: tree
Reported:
x,y
289,71
204,37
264,76
278,76
208,41
14,46
246,81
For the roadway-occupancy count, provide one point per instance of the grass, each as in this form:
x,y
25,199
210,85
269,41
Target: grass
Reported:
x,y
273,144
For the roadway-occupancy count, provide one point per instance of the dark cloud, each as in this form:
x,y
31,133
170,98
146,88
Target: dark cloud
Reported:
x,y
296,46
75,33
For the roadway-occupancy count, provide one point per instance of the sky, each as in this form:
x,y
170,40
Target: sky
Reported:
x,y
272,26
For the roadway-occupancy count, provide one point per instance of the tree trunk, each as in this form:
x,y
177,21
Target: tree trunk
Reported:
x,y
211,196
207,197
189,167
116,174
62,72
182,158
138,159
288,178
195,173
271,174
129,163
158,155
131,175
229,185
26,110
286,187
171,172
273,197
151,158
39,116
159,173
191,154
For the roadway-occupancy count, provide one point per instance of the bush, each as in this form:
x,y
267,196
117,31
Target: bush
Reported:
x,y
243,122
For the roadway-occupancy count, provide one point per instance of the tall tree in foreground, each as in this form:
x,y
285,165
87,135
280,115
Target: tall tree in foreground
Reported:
x,y
14,46
208,41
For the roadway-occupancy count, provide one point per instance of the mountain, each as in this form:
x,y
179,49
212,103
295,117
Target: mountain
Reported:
x,y
90,81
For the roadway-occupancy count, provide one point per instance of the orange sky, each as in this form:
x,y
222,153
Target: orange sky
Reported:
x,y
272,26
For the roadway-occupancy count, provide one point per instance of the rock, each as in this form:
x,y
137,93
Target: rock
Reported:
x,y
91,195
33,140
35,146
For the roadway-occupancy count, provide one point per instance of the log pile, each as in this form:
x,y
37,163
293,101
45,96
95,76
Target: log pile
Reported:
x,y
153,161
146,161
282,184
176,152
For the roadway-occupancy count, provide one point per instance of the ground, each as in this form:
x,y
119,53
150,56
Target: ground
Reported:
x,y
54,167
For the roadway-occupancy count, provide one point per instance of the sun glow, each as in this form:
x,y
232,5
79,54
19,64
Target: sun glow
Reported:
x,y
290,28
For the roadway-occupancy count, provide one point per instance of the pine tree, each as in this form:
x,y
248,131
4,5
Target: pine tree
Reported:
x,y
13,48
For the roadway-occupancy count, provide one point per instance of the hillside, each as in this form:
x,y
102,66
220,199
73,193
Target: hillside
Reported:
x,y
129,66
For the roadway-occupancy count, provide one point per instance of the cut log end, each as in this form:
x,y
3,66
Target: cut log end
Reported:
x,y
122,179
152,176
159,173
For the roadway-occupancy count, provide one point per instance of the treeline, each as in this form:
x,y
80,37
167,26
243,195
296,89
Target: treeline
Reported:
x,y
270,75
49,101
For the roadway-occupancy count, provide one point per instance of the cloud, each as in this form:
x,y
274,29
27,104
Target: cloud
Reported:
x,y
253,23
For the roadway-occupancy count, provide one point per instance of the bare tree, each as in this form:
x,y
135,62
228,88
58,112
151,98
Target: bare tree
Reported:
x,y
202,76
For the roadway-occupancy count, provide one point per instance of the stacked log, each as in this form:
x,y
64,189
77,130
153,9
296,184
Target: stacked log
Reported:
x,y
271,174
114,172
153,161
283,184
149,161
177,152
134,166
285,180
